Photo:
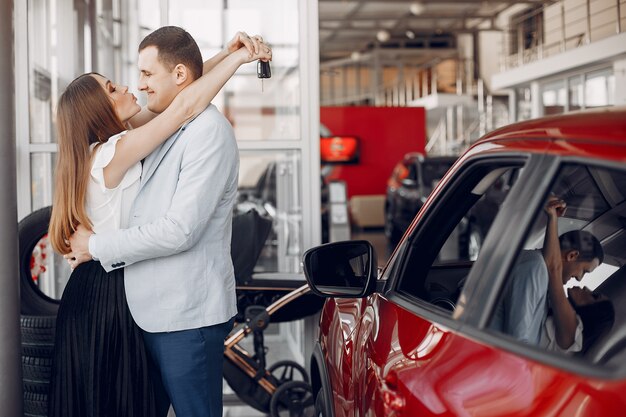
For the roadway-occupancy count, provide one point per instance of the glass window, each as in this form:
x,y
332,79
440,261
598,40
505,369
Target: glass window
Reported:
x,y
524,104
599,89
554,97
257,109
525,29
269,183
109,42
42,179
42,70
575,93
441,253
589,276
149,17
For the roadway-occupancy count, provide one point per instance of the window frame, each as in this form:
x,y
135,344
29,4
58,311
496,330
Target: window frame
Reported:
x,y
455,179
484,297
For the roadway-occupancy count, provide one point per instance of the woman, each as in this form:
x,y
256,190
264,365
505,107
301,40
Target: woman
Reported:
x,y
595,315
100,365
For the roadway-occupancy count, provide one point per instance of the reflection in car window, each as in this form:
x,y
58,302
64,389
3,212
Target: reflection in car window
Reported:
x,y
442,251
596,206
582,193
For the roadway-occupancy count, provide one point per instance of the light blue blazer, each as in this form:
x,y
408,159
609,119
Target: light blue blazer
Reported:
x,y
176,251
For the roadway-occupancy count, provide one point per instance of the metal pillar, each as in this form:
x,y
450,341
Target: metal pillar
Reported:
x,y
10,363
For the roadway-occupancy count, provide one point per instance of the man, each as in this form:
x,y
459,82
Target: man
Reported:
x,y
537,280
179,276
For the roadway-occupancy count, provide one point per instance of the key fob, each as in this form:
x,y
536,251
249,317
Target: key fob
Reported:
x,y
263,69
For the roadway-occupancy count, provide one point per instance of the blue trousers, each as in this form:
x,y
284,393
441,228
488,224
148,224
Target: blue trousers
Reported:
x,y
190,363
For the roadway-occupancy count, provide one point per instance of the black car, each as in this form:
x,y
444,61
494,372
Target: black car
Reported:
x,y
410,183
414,178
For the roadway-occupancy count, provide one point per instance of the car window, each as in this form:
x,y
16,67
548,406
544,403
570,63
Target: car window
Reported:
x,y
443,248
434,170
526,311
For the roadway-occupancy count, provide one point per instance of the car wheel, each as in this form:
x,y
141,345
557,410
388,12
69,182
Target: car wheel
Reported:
x,y
286,371
320,404
391,231
293,399
31,230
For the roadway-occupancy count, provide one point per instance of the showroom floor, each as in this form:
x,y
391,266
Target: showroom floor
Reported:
x,y
278,349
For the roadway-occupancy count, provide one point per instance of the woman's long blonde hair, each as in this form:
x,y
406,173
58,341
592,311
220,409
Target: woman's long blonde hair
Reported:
x,y
85,115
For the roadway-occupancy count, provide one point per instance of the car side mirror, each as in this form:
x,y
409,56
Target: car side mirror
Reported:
x,y
341,269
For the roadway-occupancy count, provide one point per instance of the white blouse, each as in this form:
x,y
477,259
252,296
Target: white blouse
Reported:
x,y
109,208
548,337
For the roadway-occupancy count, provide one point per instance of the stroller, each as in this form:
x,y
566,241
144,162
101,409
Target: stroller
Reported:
x,y
282,388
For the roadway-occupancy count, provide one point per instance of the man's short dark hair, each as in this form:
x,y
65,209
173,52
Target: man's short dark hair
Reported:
x,y
175,46
587,245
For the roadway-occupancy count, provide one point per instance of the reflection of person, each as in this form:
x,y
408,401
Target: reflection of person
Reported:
x,y
571,255
594,314
536,273
100,365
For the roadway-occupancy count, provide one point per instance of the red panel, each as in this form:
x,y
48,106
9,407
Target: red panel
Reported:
x,y
385,133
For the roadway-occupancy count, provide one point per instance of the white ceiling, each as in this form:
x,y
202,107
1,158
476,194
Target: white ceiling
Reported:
x,y
348,26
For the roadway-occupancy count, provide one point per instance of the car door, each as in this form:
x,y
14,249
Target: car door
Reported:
x,y
407,339
426,344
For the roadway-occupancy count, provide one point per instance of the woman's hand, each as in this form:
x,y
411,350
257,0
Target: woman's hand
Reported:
x,y
79,242
242,39
264,53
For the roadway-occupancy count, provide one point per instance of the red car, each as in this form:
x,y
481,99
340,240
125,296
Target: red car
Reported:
x,y
417,337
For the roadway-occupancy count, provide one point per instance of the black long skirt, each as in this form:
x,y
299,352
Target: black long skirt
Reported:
x,y
100,366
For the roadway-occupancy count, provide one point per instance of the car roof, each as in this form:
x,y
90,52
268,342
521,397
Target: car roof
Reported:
x,y
441,158
412,156
606,126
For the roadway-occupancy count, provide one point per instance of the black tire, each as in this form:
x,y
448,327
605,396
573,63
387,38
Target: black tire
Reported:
x,y
36,374
283,371
31,229
293,399
35,405
320,404
38,335
392,233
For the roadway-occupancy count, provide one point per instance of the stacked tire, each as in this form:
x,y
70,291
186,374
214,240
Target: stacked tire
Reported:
x,y
37,347
37,321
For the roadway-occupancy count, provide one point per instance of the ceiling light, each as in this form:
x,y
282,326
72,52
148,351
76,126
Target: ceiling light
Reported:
x,y
355,56
417,8
410,34
383,35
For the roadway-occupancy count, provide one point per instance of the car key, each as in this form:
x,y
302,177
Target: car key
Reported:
x,y
263,71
